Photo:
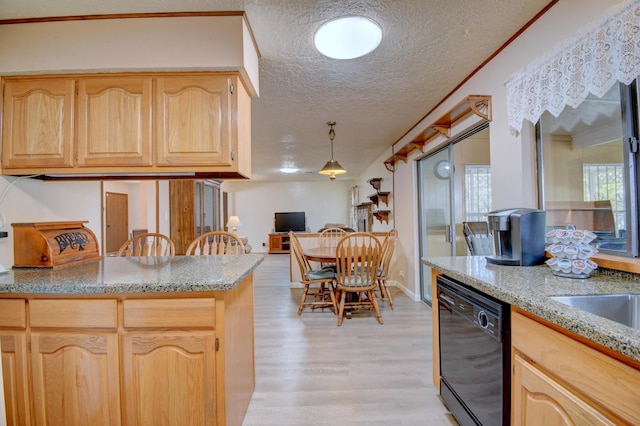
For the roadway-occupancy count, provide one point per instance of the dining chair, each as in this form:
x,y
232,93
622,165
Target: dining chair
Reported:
x,y
478,238
147,244
317,282
388,247
329,238
358,257
216,243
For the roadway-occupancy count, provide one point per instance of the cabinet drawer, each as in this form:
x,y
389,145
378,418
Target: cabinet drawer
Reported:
x,y
12,313
169,313
73,313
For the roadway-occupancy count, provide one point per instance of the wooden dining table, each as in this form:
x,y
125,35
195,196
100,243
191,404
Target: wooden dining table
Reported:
x,y
320,254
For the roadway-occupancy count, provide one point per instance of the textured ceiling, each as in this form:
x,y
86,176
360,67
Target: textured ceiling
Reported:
x,y
428,48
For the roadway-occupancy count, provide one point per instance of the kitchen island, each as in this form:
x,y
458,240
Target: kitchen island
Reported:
x,y
566,363
131,340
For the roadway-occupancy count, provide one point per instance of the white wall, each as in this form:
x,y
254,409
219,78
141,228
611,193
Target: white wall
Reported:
x,y
512,165
32,200
256,202
212,43
378,170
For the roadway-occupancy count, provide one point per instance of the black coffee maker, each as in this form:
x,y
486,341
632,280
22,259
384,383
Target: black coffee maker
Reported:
x,y
518,236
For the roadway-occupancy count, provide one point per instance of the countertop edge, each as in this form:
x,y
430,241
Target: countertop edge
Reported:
x,y
609,334
220,276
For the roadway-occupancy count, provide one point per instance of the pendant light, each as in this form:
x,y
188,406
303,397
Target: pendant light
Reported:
x,y
332,168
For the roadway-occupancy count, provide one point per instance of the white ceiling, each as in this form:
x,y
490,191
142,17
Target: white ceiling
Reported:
x,y
428,48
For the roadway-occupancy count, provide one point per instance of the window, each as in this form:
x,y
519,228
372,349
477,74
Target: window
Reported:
x,y
586,169
605,181
477,186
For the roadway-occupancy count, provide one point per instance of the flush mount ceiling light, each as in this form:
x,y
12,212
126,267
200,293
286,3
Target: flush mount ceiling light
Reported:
x,y
332,168
288,170
348,37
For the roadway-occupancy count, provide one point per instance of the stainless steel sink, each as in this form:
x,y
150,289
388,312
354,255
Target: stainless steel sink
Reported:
x,y
622,308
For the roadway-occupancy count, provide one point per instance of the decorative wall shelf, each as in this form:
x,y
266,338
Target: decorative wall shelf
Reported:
x,y
380,196
479,105
382,215
375,182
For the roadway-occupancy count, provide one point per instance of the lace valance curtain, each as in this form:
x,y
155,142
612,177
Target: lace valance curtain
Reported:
x,y
604,53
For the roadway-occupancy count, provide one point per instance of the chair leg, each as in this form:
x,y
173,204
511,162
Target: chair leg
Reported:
x,y
332,294
304,298
386,289
343,298
375,304
384,292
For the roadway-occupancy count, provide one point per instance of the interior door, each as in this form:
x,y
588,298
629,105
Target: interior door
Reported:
x,y
117,219
434,186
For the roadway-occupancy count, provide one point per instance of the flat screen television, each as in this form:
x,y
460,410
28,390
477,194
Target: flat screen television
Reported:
x,y
290,221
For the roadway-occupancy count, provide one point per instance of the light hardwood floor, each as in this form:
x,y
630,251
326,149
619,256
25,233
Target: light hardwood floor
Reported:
x,y
310,372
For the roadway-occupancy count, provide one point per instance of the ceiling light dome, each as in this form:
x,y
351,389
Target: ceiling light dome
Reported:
x,y
348,37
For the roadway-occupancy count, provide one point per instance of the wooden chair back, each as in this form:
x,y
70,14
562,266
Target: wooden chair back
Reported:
x,y
388,247
148,244
296,251
358,257
216,243
330,237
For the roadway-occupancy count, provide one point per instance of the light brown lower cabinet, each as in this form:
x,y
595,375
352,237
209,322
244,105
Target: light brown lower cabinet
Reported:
x,y
558,380
132,360
16,378
75,378
169,378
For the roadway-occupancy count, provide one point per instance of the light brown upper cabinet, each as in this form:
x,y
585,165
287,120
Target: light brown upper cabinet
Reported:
x,y
155,124
193,120
38,123
114,121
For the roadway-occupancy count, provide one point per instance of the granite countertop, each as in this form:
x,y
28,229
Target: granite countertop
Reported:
x,y
115,275
529,288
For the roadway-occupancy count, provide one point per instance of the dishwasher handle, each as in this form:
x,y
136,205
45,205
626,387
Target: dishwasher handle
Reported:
x,y
445,297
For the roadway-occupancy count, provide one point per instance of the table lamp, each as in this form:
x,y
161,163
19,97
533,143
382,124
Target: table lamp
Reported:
x,y
233,223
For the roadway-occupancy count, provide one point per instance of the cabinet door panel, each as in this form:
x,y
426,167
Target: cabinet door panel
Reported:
x,y
169,377
38,123
14,373
193,121
540,400
114,121
609,383
75,379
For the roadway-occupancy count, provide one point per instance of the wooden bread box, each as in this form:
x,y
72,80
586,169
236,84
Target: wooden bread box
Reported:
x,y
53,244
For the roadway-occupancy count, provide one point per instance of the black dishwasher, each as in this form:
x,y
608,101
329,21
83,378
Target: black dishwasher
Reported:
x,y
475,354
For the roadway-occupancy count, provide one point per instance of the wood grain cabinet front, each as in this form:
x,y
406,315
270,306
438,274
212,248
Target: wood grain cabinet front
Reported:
x,y
145,360
114,121
169,378
193,120
560,381
75,361
14,362
75,378
37,121
168,353
152,123
16,377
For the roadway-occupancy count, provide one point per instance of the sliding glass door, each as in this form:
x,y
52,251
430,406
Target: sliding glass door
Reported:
x,y
434,187
454,186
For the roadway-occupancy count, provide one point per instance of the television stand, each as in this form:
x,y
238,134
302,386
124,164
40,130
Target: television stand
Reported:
x,y
278,243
